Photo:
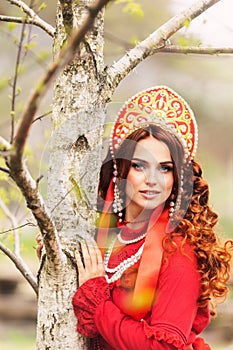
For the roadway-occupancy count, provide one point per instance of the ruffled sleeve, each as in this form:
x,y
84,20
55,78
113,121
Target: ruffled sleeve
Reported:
x,y
165,333
85,302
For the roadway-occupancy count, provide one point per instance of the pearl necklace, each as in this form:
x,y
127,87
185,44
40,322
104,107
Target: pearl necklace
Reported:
x,y
136,222
123,266
124,241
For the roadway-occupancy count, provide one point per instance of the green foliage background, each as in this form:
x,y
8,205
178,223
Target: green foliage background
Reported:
x,y
205,81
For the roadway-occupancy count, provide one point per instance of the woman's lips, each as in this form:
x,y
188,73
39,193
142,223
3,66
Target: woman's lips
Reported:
x,y
149,194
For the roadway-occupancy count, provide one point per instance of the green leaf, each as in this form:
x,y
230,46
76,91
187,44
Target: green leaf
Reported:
x,y
4,83
77,189
80,194
182,41
42,6
21,69
134,40
43,55
30,46
187,22
131,7
11,26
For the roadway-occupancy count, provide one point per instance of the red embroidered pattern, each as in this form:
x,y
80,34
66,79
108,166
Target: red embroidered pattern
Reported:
x,y
85,304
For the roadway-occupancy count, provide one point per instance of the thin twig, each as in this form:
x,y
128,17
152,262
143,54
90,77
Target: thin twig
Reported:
x,y
176,48
41,116
35,56
21,266
61,200
14,223
197,50
14,85
5,170
113,38
33,17
18,227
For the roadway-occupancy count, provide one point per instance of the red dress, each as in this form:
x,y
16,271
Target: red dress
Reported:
x,y
174,321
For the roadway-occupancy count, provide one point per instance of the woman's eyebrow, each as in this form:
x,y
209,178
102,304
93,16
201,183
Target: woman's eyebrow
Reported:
x,y
166,162
139,160
143,161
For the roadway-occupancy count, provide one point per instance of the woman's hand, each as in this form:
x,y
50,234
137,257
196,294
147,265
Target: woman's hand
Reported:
x,y
91,264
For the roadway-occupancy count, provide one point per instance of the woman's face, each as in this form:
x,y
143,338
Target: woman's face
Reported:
x,y
150,178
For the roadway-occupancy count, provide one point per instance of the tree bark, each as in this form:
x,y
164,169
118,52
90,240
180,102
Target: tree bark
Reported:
x,y
75,157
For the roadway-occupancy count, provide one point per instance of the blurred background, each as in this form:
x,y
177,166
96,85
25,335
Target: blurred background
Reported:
x,y
205,81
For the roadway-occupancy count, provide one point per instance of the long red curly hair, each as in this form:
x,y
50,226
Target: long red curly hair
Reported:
x,y
196,220
213,258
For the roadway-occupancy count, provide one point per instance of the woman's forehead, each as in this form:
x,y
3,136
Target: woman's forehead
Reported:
x,y
152,149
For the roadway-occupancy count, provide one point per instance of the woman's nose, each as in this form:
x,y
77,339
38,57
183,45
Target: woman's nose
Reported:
x,y
151,178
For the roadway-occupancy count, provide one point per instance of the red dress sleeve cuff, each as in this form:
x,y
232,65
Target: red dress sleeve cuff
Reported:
x,y
164,333
85,302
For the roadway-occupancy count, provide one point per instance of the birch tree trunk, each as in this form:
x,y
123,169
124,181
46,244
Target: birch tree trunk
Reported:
x,y
75,155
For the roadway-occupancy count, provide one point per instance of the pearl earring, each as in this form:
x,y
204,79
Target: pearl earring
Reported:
x,y
172,209
117,202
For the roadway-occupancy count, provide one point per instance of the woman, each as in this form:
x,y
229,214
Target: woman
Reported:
x,y
160,264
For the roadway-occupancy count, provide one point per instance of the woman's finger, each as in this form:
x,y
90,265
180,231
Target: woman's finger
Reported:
x,y
99,256
93,251
97,260
79,261
89,262
87,258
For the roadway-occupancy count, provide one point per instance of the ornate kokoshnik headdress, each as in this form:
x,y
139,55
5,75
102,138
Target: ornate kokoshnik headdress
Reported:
x,y
160,106
163,107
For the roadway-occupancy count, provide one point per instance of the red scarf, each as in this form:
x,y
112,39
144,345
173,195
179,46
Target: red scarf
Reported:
x,y
144,292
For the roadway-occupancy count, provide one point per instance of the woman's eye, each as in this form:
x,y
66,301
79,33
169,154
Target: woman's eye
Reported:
x,y
165,168
138,166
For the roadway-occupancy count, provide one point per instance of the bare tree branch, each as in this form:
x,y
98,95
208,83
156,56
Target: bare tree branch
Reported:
x,y
197,50
28,20
176,48
153,43
36,20
28,186
21,266
4,170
